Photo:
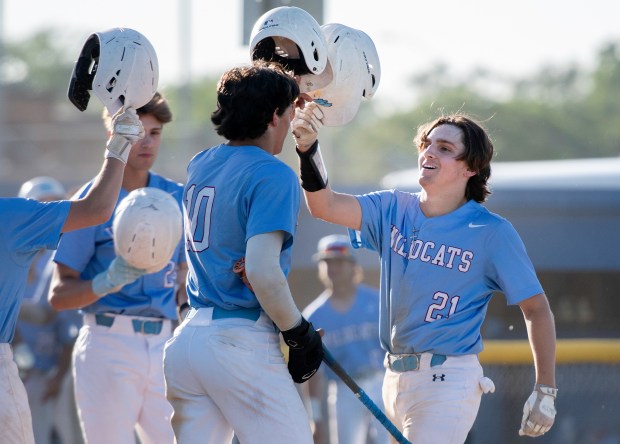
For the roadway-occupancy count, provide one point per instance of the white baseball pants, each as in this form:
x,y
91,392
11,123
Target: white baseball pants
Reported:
x,y
228,375
119,383
15,418
435,405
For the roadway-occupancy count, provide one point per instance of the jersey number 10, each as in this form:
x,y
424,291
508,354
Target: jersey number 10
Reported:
x,y
198,217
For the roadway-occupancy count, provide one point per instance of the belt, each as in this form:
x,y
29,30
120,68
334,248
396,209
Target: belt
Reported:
x,y
139,325
245,313
410,361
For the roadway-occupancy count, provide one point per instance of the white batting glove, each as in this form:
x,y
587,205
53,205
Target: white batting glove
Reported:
x,y
306,125
539,411
118,274
127,129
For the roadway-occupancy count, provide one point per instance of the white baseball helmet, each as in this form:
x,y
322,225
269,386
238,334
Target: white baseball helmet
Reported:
x,y
42,188
119,66
281,33
373,66
347,77
147,228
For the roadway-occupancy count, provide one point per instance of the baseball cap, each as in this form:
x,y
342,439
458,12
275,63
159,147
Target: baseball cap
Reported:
x,y
334,246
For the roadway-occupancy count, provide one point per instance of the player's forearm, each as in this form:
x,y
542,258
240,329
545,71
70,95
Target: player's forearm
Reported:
x,y
71,293
99,203
337,208
274,295
262,266
541,332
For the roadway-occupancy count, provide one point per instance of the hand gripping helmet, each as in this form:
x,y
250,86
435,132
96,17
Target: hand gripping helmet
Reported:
x,y
346,79
147,228
291,36
42,188
119,66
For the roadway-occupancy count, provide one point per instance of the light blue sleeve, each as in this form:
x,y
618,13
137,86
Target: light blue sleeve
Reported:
x,y
512,270
273,203
76,248
373,210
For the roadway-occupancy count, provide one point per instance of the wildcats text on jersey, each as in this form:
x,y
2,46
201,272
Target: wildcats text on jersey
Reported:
x,y
427,251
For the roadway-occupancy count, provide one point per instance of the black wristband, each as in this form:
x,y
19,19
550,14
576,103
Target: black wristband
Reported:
x,y
312,170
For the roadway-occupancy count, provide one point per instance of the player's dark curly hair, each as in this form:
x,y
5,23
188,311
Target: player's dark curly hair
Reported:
x,y
477,155
248,96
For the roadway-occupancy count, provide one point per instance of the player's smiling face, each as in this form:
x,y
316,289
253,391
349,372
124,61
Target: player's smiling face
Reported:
x,y
438,158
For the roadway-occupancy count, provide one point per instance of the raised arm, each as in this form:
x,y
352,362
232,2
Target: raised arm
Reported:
x,y
322,201
98,205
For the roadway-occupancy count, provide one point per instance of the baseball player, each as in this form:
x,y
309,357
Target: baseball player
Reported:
x,y
128,313
27,227
442,256
49,337
225,371
348,312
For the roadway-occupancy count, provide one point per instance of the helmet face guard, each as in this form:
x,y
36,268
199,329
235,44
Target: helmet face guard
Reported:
x,y
83,73
119,66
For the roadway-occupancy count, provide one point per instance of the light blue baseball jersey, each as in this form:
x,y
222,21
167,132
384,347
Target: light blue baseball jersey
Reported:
x,y
232,194
46,340
438,274
91,250
27,226
351,336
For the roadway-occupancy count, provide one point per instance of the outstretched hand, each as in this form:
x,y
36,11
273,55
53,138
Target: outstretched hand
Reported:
x,y
118,274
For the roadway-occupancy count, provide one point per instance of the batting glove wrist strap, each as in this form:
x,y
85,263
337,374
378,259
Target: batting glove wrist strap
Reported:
x,y
126,130
539,411
119,273
305,351
546,390
312,170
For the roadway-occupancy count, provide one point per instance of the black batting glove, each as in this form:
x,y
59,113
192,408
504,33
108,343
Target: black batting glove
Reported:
x,y
305,351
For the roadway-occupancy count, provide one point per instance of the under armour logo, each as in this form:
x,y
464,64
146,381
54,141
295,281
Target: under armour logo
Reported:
x,y
441,377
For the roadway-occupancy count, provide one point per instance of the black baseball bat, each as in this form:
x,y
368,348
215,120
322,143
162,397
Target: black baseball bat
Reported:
x,y
331,362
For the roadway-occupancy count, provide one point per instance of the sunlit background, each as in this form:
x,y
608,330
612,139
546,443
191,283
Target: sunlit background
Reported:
x,y
543,76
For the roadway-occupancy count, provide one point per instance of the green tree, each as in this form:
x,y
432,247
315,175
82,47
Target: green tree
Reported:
x,y
40,64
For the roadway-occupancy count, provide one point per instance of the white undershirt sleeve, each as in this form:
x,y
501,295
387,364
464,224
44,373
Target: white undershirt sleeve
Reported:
x,y
262,267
